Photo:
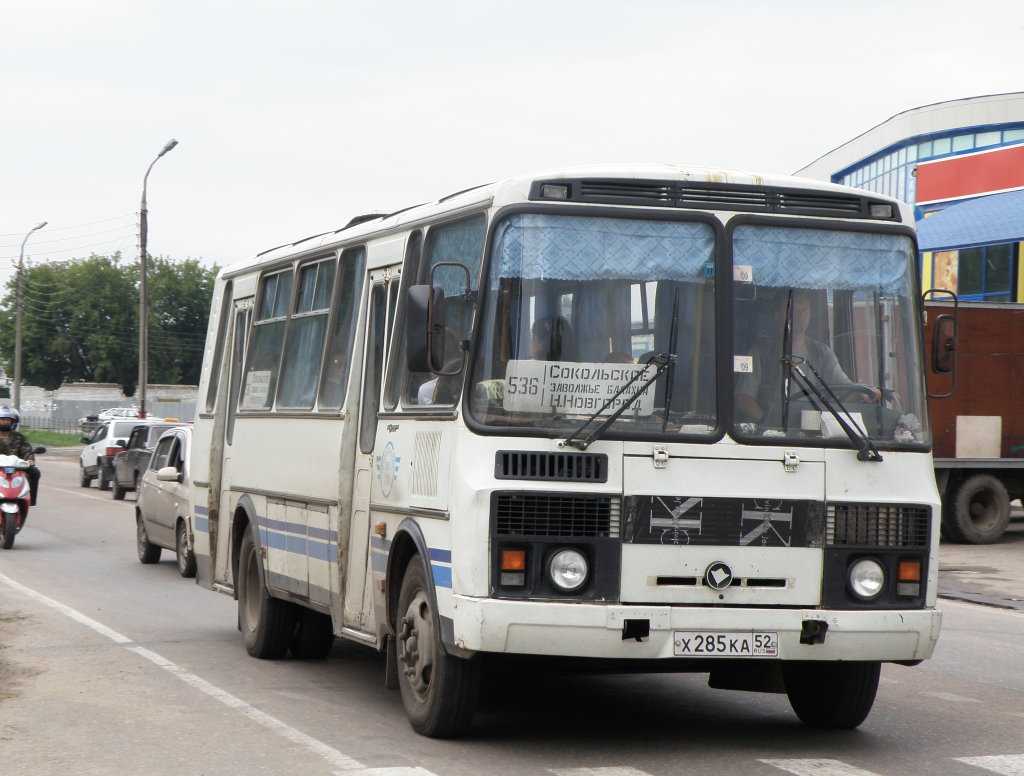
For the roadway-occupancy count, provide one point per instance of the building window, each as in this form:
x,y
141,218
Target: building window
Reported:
x,y
977,274
983,139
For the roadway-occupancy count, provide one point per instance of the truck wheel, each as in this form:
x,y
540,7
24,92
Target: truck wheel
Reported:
x,y
186,558
117,492
313,637
835,696
977,510
439,691
267,624
148,552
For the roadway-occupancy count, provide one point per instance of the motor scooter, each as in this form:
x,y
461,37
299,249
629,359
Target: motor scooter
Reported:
x,y
15,498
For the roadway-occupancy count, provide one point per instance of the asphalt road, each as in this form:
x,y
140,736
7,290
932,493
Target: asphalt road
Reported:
x,y
109,667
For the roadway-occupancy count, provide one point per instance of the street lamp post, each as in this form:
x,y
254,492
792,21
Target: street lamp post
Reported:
x,y
143,299
18,305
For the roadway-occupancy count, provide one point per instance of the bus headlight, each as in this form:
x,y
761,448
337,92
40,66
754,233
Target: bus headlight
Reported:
x,y
568,570
867,578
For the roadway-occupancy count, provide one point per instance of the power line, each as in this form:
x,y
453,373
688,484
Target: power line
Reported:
x,y
78,226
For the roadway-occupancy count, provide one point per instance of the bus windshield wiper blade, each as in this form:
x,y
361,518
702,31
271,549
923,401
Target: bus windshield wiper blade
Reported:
x,y
662,360
866,450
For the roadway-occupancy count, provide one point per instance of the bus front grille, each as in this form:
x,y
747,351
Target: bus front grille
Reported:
x,y
558,466
555,514
876,525
715,196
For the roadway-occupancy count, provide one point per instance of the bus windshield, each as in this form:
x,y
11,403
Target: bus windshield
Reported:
x,y
577,308
593,316
826,343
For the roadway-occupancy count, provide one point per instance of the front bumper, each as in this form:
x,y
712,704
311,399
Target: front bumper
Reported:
x,y
597,630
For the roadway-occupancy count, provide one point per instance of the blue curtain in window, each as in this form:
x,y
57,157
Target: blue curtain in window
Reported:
x,y
790,257
557,247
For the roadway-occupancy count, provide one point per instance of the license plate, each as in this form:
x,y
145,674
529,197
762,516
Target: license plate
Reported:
x,y
725,644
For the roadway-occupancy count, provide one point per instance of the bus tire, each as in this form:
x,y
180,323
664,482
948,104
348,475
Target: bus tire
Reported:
x,y
313,637
439,691
977,511
833,696
266,623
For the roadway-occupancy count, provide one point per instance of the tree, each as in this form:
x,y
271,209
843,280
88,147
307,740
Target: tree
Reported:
x,y
80,321
179,306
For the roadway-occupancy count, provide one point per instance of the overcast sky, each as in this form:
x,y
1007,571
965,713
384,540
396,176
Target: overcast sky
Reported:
x,y
294,116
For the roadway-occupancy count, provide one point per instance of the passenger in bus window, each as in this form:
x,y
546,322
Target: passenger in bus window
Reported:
x,y
551,339
758,390
444,389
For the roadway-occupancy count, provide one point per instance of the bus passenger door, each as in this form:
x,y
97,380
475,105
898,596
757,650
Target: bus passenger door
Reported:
x,y
380,312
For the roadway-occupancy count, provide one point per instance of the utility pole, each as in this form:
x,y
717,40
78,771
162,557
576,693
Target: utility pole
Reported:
x,y
143,298
18,305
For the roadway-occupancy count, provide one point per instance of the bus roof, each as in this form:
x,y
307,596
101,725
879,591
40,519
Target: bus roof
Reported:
x,y
517,189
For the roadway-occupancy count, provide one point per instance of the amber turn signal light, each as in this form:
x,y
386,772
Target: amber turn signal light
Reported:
x,y
513,560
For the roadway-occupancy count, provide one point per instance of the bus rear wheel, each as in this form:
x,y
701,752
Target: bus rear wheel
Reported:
x,y
439,691
266,623
834,696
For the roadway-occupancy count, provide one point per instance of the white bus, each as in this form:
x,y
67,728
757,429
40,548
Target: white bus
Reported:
x,y
657,416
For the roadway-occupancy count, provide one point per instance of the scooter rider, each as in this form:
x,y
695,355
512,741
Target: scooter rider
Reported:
x,y
13,442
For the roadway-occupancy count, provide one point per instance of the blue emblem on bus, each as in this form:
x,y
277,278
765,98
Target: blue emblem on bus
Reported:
x,y
387,469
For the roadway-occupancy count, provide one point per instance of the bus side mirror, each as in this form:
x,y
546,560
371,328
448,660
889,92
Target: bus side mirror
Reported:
x,y
944,344
424,328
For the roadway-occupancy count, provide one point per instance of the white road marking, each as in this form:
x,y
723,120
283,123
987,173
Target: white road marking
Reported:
x,y
612,770
818,768
1004,764
401,771
337,759
948,696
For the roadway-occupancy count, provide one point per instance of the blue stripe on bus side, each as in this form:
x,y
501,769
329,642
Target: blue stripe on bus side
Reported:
x,y
442,575
274,534
201,524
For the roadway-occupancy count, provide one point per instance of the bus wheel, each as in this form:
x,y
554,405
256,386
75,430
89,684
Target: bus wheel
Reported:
x,y
439,691
836,696
313,636
977,511
266,623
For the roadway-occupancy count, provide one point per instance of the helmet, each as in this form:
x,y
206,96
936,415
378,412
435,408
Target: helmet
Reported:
x,y
7,412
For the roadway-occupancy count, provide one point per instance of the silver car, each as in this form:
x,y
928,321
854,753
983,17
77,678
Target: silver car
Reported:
x,y
163,513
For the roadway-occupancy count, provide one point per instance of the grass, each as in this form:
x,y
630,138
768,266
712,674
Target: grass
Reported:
x,y
52,438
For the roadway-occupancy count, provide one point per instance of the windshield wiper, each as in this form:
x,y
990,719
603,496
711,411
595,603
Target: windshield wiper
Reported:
x,y
866,450
662,360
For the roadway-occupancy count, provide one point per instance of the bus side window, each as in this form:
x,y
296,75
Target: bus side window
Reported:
x,y
307,332
374,368
398,374
267,341
223,324
338,358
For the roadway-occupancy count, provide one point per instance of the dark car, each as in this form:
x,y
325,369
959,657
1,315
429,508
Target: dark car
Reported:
x,y
130,463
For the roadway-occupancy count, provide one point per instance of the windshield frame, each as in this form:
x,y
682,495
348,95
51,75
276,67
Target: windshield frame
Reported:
x,y
486,299
723,226
915,337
